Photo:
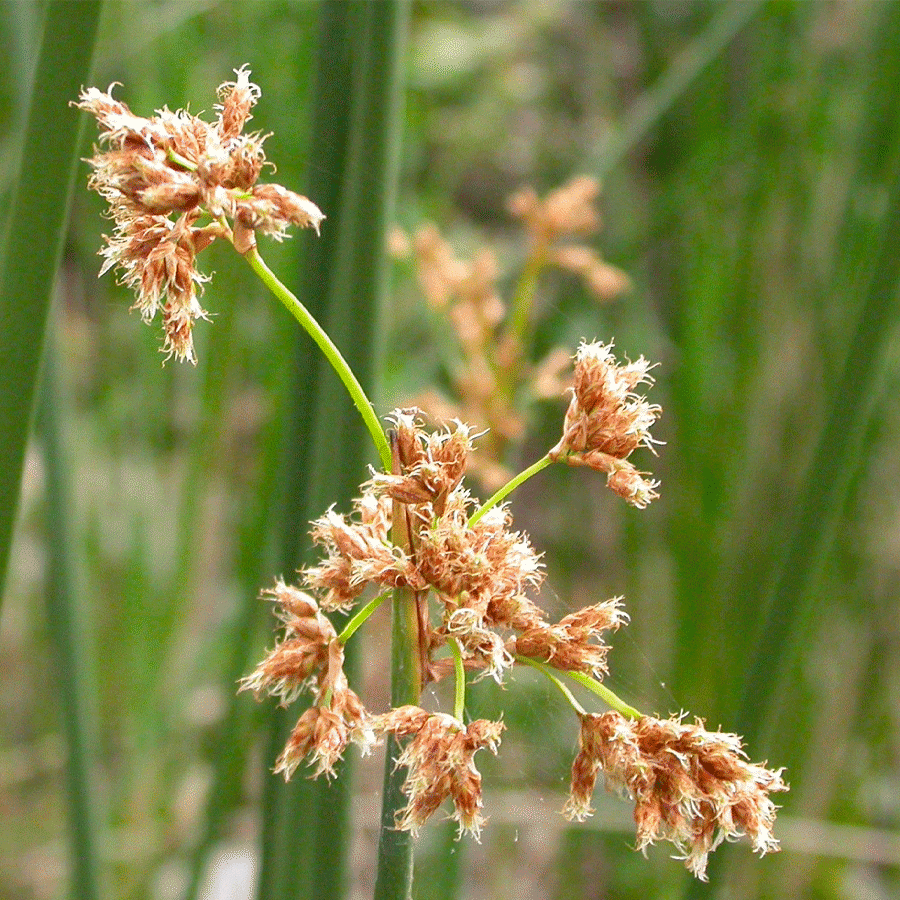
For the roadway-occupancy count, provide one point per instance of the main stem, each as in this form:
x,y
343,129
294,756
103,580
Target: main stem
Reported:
x,y
395,847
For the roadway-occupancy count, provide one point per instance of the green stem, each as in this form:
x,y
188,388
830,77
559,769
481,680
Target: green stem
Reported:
x,y
395,847
509,487
394,878
360,616
330,351
523,300
604,693
544,669
459,671
595,687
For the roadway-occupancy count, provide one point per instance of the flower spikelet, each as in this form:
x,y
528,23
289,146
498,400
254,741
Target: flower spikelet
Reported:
x,y
359,553
575,643
480,574
607,420
324,732
440,760
433,464
690,786
310,657
304,650
174,164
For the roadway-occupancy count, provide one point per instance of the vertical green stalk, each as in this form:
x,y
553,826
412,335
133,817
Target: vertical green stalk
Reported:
x,y
36,223
68,636
353,165
395,848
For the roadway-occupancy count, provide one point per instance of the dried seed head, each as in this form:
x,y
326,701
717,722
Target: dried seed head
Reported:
x,y
433,464
358,554
576,643
690,786
304,651
607,420
238,98
605,282
440,762
175,164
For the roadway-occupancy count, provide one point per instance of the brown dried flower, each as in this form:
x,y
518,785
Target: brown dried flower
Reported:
x,y
606,421
310,657
575,643
440,762
161,176
690,786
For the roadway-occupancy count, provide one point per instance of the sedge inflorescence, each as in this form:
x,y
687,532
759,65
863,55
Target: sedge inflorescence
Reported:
x,y
690,786
174,183
474,579
607,420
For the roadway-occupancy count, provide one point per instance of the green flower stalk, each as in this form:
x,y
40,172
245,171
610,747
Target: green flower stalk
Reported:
x,y
462,579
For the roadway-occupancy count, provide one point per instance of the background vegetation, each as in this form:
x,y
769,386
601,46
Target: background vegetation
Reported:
x,y
749,157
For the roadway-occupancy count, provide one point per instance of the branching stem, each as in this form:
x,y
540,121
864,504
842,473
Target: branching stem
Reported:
x,y
360,616
509,487
330,351
544,669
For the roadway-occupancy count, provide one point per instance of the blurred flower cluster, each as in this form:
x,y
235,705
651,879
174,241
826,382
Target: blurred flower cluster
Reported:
x,y
494,375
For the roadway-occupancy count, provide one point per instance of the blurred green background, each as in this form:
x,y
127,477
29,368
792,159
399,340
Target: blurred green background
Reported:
x,y
749,156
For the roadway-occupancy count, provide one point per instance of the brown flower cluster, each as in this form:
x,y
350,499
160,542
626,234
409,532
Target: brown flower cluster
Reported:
x,y
477,576
175,183
470,576
439,758
310,657
494,371
606,421
690,786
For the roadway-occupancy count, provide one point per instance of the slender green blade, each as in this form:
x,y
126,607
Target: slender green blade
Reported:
x,y
69,639
37,219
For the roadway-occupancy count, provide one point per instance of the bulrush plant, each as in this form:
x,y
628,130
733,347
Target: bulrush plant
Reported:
x,y
464,580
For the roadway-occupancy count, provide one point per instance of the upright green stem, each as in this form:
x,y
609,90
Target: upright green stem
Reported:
x,y
523,299
330,351
35,215
395,847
